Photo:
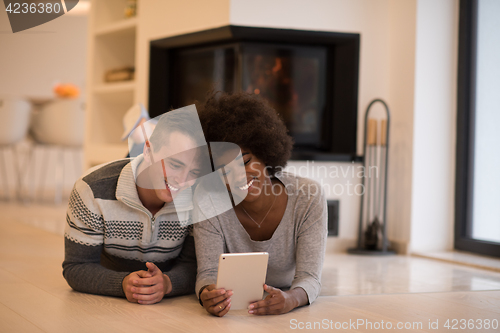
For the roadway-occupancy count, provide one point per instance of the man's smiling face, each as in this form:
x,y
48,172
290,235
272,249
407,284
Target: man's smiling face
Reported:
x,y
176,166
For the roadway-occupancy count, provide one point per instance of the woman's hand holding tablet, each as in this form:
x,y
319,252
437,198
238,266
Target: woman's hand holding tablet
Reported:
x,y
278,301
216,301
245,273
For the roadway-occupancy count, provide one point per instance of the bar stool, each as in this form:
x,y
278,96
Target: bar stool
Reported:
x,y
59,125
14,122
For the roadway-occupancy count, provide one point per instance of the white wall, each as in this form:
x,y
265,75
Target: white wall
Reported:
x,y
340,181
434,125
32,61
402,26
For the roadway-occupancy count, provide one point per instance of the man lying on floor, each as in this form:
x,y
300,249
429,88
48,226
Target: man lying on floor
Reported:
x,y
128,230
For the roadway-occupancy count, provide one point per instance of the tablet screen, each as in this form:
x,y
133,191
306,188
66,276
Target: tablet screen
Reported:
x,y
245,275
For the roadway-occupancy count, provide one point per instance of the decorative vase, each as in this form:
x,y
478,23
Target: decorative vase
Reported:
x,y
15,119
61,123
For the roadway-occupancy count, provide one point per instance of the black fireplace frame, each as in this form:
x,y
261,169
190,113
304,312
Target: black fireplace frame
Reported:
x,y
339,124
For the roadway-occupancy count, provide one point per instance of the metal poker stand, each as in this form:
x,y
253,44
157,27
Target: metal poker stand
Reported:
x,y
372,235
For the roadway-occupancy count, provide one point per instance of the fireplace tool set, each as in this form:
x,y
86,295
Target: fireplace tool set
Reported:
x,y
372,232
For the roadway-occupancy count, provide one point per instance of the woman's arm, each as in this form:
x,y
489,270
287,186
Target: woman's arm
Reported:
x,y
311,246
209,244
309,254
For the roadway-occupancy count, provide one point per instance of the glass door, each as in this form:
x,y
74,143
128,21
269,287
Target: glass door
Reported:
x,y
478,131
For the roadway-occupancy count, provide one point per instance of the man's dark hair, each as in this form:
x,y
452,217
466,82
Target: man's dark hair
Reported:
x,y
250,122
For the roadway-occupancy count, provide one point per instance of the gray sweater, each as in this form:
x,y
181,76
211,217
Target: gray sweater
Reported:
x,y
296,249
109,234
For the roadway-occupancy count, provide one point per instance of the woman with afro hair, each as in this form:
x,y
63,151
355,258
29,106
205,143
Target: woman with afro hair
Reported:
x,y
282,214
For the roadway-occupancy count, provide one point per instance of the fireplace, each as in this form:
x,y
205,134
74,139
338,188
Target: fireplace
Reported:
x,y
309,77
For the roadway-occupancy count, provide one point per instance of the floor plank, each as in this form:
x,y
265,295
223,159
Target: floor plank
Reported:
x,y
48,312
11,321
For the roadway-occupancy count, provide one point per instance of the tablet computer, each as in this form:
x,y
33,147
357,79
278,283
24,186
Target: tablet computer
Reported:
x,y
245,275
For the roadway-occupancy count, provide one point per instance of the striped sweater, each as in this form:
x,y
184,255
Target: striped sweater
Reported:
x,y
109,233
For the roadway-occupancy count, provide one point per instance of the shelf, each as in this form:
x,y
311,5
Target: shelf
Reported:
x,y
114,87
118,27
101,153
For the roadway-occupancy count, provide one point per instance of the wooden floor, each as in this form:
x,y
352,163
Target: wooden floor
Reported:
x,y
34,297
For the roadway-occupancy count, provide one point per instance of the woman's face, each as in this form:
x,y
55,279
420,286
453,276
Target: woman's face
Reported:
x,y
249,180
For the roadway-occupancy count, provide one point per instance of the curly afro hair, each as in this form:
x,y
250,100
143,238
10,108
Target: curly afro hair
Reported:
x,y
250,122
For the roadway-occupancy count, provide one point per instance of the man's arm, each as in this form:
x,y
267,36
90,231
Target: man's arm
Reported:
x,y
183,273
84,273
84,234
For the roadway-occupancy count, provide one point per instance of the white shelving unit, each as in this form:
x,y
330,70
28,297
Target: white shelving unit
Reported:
x,y
112,44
